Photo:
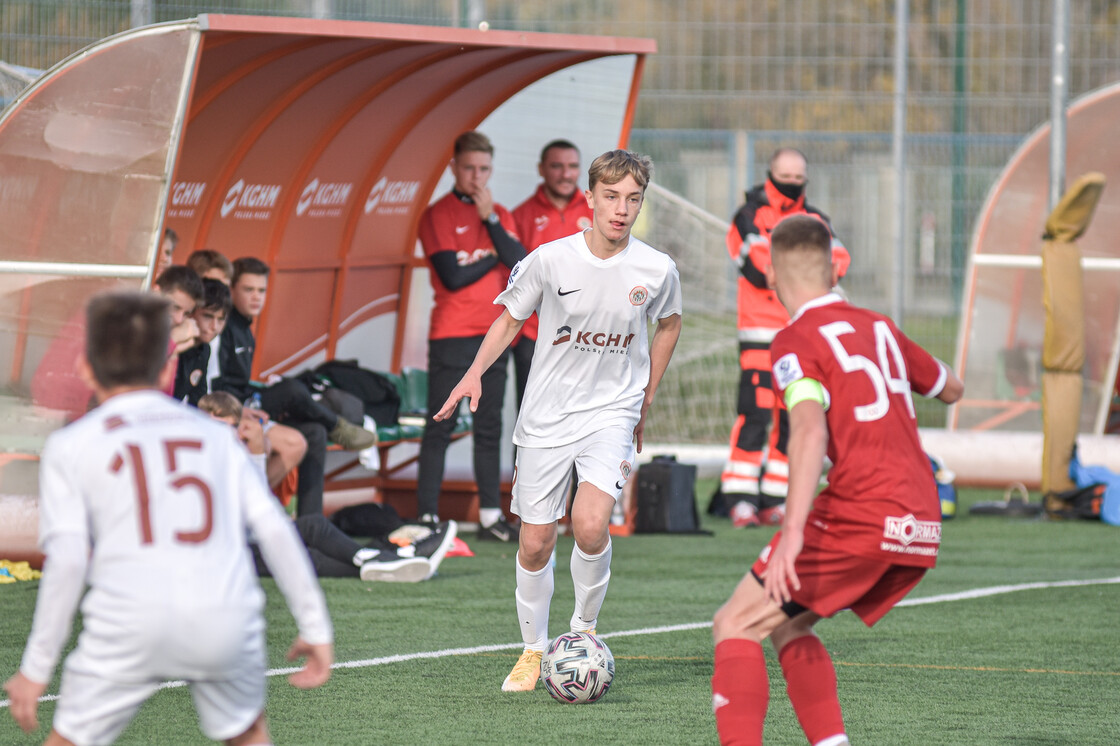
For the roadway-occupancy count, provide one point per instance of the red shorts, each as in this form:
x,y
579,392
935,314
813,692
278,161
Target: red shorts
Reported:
x,y
832,581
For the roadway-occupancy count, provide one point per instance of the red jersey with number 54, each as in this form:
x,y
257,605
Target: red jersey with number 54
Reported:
x,y
881,500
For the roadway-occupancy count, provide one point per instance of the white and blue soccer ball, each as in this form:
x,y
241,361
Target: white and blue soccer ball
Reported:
x,y
577,668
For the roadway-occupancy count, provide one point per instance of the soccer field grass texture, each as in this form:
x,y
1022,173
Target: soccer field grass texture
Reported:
x,y
1027,666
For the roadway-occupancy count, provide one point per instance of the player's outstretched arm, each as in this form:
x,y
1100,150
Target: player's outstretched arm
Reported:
x,y
661,348
317,669
808,444
953,389
497,339
25,694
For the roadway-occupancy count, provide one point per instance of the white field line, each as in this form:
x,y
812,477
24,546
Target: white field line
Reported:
x,y
994,590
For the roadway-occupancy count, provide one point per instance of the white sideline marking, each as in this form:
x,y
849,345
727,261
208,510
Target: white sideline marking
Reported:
x,y
994,590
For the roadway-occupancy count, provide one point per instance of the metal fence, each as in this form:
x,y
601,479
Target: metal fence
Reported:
x,y
734,79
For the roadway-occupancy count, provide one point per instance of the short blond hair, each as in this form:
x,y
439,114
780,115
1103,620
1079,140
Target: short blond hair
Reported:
x,y
221,404
615,165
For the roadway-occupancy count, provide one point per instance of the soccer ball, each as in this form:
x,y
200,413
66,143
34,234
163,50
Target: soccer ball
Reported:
x,y
577,668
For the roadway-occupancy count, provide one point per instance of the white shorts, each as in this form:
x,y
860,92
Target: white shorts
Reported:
x,y
94,708
542,476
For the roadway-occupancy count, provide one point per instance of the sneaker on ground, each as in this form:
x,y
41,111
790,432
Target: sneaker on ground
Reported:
x,y
525,673
409,533
773,516
430,520
388,568
744,514
499,530
435,546
351,437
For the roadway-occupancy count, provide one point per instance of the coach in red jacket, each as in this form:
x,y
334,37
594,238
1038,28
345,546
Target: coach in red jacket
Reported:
x,y
471,244
556,209
754,487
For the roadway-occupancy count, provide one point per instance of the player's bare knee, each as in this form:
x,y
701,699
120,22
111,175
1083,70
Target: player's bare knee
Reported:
x,y
793,628
720,624
732,622
535,545
591,519
592,540
54,738
256,735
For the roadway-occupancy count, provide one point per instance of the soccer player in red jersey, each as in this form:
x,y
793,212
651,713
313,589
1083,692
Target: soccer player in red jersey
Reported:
x,y
846,375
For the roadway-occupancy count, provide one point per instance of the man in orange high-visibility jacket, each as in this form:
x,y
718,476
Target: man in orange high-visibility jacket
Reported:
x,y
756,476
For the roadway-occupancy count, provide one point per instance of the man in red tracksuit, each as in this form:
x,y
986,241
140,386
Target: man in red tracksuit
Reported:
x,y
556,210
470,244
756,476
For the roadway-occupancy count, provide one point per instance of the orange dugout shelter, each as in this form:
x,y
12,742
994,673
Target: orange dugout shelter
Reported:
x,y
314,145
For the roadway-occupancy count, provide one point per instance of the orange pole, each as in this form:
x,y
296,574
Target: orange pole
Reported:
x,y
632,102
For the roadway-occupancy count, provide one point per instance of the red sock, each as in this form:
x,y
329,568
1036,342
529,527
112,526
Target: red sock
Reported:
x,y
811,685
740,692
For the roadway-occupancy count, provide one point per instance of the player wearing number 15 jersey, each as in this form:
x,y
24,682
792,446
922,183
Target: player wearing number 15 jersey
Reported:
x,y
150,503
846,375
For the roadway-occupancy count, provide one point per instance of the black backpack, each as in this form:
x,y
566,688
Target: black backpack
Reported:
x,y
379,396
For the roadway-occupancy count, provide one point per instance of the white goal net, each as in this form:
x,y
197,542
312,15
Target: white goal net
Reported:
x,y
696,400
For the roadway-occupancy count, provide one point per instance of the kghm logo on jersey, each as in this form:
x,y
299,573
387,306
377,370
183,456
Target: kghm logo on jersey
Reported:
x,y
592,341
908,529
639,295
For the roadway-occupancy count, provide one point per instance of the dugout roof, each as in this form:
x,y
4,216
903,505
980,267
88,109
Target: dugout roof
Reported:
x,y
314,145
1000,342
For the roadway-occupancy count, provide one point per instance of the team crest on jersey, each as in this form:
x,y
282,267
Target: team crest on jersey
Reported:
x,y
639,295
196,376
563,334
787,370
583,223
625,467
540,222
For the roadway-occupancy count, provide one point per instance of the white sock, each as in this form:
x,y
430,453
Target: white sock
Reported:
x,y
364,555
534,595
489,516
837,740
590,574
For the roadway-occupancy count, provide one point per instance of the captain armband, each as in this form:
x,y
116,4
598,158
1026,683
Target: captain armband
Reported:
x,y
805,389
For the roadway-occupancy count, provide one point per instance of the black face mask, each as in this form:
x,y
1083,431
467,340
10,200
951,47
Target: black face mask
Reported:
x,y
789,191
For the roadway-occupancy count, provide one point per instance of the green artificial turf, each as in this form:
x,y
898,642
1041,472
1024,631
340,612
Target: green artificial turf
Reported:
x,y
1026,667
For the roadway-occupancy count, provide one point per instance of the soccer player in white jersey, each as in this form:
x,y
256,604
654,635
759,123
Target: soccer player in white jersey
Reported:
x,y
593,377
150,502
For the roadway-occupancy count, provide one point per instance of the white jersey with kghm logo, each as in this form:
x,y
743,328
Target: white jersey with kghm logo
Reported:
x,y
591,363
